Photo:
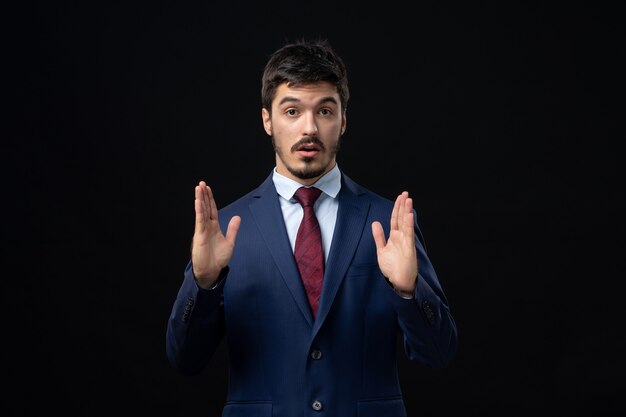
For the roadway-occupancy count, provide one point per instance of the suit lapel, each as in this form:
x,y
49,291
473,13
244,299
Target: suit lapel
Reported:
x,y
268,216
351,216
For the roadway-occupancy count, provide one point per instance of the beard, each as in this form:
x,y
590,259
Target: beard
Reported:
x,y
310,169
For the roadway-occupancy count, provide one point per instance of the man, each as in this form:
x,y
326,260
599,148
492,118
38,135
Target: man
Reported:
x,y
318,339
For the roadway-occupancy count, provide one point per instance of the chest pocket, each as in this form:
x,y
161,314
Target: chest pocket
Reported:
x,y
368,269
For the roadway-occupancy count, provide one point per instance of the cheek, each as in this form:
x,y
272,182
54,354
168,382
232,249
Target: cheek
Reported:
x,y
332,133
284,133
280,139
286,128
332,127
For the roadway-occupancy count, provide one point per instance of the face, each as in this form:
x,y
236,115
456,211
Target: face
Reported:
x,y
306,125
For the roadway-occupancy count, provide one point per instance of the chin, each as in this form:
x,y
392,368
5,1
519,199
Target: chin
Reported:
x,y
308,171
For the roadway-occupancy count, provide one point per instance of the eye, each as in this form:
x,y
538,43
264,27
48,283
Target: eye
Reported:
x,y
291,112
326,112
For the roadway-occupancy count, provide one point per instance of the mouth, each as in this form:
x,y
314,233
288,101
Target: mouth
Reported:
x,y
308,151
308,148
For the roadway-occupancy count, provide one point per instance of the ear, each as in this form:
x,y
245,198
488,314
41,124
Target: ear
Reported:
x,y
343,122
267,121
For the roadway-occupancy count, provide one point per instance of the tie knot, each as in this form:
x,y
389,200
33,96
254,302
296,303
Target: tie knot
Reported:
x,y
307,196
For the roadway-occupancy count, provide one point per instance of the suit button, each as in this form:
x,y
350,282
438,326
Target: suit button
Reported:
x,y
428,311
316,354
317,405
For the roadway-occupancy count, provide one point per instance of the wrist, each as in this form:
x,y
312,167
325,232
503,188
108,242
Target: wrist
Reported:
x,y
208,283
402,292
205,280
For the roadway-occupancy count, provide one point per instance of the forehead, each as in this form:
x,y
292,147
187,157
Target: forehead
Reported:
x,y
305,93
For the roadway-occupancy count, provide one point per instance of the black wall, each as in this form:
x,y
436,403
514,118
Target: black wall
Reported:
x,y
500,118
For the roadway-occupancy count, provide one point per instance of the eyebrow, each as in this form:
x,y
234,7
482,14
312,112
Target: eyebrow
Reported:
x,y
289,99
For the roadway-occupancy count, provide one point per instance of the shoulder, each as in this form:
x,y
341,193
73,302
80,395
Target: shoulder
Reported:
x,y
364,193
239,206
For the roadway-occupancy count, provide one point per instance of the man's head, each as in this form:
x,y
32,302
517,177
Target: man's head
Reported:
x,y
304,98
301,63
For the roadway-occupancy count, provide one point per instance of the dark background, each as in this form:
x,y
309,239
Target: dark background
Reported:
x,y
501,119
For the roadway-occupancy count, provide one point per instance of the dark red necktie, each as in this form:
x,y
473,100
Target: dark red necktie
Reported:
x,y
308,251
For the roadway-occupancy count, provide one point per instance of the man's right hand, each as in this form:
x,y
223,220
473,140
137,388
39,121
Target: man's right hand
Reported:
x,y
211,250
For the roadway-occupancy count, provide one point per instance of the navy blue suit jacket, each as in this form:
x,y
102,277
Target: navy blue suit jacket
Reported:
x,y
282,362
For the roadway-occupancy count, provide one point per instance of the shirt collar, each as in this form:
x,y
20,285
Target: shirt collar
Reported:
x,y
329,183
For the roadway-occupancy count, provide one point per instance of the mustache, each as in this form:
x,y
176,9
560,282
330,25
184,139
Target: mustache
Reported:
x,y
308,140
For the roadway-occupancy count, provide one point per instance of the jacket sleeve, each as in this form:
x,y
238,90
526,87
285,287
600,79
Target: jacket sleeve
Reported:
x,y
196,324
429,330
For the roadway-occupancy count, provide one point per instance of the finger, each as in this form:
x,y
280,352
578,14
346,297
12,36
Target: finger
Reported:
x,y
200,209
408,217
399,211
212,205
205,199
402,209
379,235
394,214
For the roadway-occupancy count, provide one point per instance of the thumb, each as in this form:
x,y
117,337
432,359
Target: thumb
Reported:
x,y
379,235
233,228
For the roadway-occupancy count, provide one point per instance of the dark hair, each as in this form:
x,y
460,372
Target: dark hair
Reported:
x,y
304,62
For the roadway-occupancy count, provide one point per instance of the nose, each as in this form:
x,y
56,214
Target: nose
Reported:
x,y
310,124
